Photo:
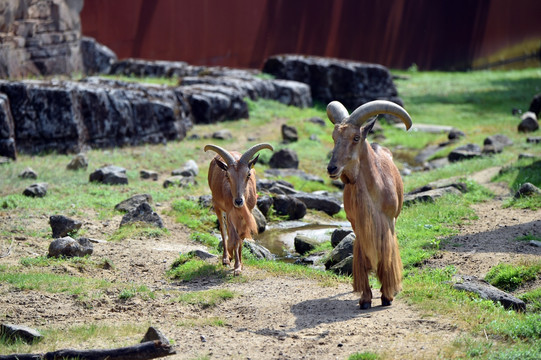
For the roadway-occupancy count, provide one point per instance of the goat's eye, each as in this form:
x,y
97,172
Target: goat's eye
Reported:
x,y
356,138
248,175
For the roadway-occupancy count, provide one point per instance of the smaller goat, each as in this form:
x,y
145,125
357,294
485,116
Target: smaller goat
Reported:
x,y
373,196
232,183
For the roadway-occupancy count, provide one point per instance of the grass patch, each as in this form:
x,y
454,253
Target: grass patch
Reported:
x,y
197,322
206,298
134,290
532,300
364,356
516,174
510,277
193,215
138,230
187,268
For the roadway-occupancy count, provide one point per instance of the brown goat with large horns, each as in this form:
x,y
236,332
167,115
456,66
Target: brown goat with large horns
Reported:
x,y
373,196
232,183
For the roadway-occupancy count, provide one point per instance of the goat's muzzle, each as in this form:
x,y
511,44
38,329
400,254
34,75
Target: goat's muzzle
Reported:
x,y
333,172
238,202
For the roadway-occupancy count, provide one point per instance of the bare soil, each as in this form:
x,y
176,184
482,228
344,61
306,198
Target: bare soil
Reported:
x,y
272,317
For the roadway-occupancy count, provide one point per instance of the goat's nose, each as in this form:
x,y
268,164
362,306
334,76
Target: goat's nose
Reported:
x,y
331,169
239,202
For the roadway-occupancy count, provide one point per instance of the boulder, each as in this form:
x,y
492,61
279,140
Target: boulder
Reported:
x,y
189,168
7,129
97,58
111,175
341,251
344,267
13,332
430,195
203,255
338,235
352,83
28,173
222,135
264,204
289,134
142,213
69,247
534,140
36,190
283,159
535,105
527,189
79,161
63,226
260,220
288,206
488,292
279,187
148,174
133,202
327,204
260,252
304,244
529,122
495,144
465,152
179,181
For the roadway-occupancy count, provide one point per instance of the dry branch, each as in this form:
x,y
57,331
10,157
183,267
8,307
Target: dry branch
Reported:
x,y
143,351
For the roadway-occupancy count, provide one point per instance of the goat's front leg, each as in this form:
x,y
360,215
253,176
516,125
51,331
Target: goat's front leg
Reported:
x,y
361,269
226,258
236,247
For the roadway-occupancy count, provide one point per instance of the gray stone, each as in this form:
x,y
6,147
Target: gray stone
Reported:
x,y
69,247
455,134
142,213
495,144
288,206
289,134
133,202
534,140
344,267
527,189
7,129
323,203
12,332
260,220
465,152
154,334
97,58
179,181
317,120
79,161
535,105
430,195
205,201
63,226
148,174
260,252
528,122
189,168
284,158
535,243
338,235
111,175
36,190
28,173
203,255
222,135
351,83
341,251
264,203
304,244
488,292
280,187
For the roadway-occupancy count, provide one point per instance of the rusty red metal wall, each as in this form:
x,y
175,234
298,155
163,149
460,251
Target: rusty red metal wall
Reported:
x,y
243,33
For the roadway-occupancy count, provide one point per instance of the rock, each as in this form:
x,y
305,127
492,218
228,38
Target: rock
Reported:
x,y
215,103
133,202
111,175
528,122
494,144
311,259
535,105
260,220
189,168
260,252
205,201
7,129
63,226
289,134
534,140
12,332
28,173
317,120
428,151
148,174
279,187
338,235
36,190
352,83
154,334
304,244
179,181
79,161
284,158
430,195
526,156
488,292
222,135
344,267
264,204
203,255
142,213
455,134
438,184
288,206
465,152
527,189
97,58
323,203
69,247
535,243
341,251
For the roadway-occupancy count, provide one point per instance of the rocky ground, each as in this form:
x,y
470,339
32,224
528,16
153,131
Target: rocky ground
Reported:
x,y
271,317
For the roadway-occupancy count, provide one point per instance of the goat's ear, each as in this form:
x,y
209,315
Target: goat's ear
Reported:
x,y
221,164
368,127
253,162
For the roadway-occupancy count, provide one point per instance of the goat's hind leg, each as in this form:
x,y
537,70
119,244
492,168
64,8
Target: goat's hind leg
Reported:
x,y
389,273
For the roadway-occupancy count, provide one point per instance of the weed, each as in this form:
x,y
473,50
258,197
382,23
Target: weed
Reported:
x,y
509,277
190,269
364,356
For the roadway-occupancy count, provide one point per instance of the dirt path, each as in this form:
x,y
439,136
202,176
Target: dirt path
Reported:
x,y
270,317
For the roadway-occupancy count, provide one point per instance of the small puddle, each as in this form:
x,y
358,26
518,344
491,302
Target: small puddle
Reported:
x,y
279,238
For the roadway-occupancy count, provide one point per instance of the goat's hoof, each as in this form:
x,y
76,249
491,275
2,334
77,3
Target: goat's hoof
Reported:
x,y
226,262
365,305
385,301
237,272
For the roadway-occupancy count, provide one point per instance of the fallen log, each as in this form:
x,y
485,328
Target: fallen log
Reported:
x,y
142,351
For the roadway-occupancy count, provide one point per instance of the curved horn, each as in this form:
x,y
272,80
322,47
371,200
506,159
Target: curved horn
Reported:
x,y
336,112
247,156
373,108
228,158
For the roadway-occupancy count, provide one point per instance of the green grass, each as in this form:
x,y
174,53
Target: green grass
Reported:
x,y
364,356
138,230
193,215
509,277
